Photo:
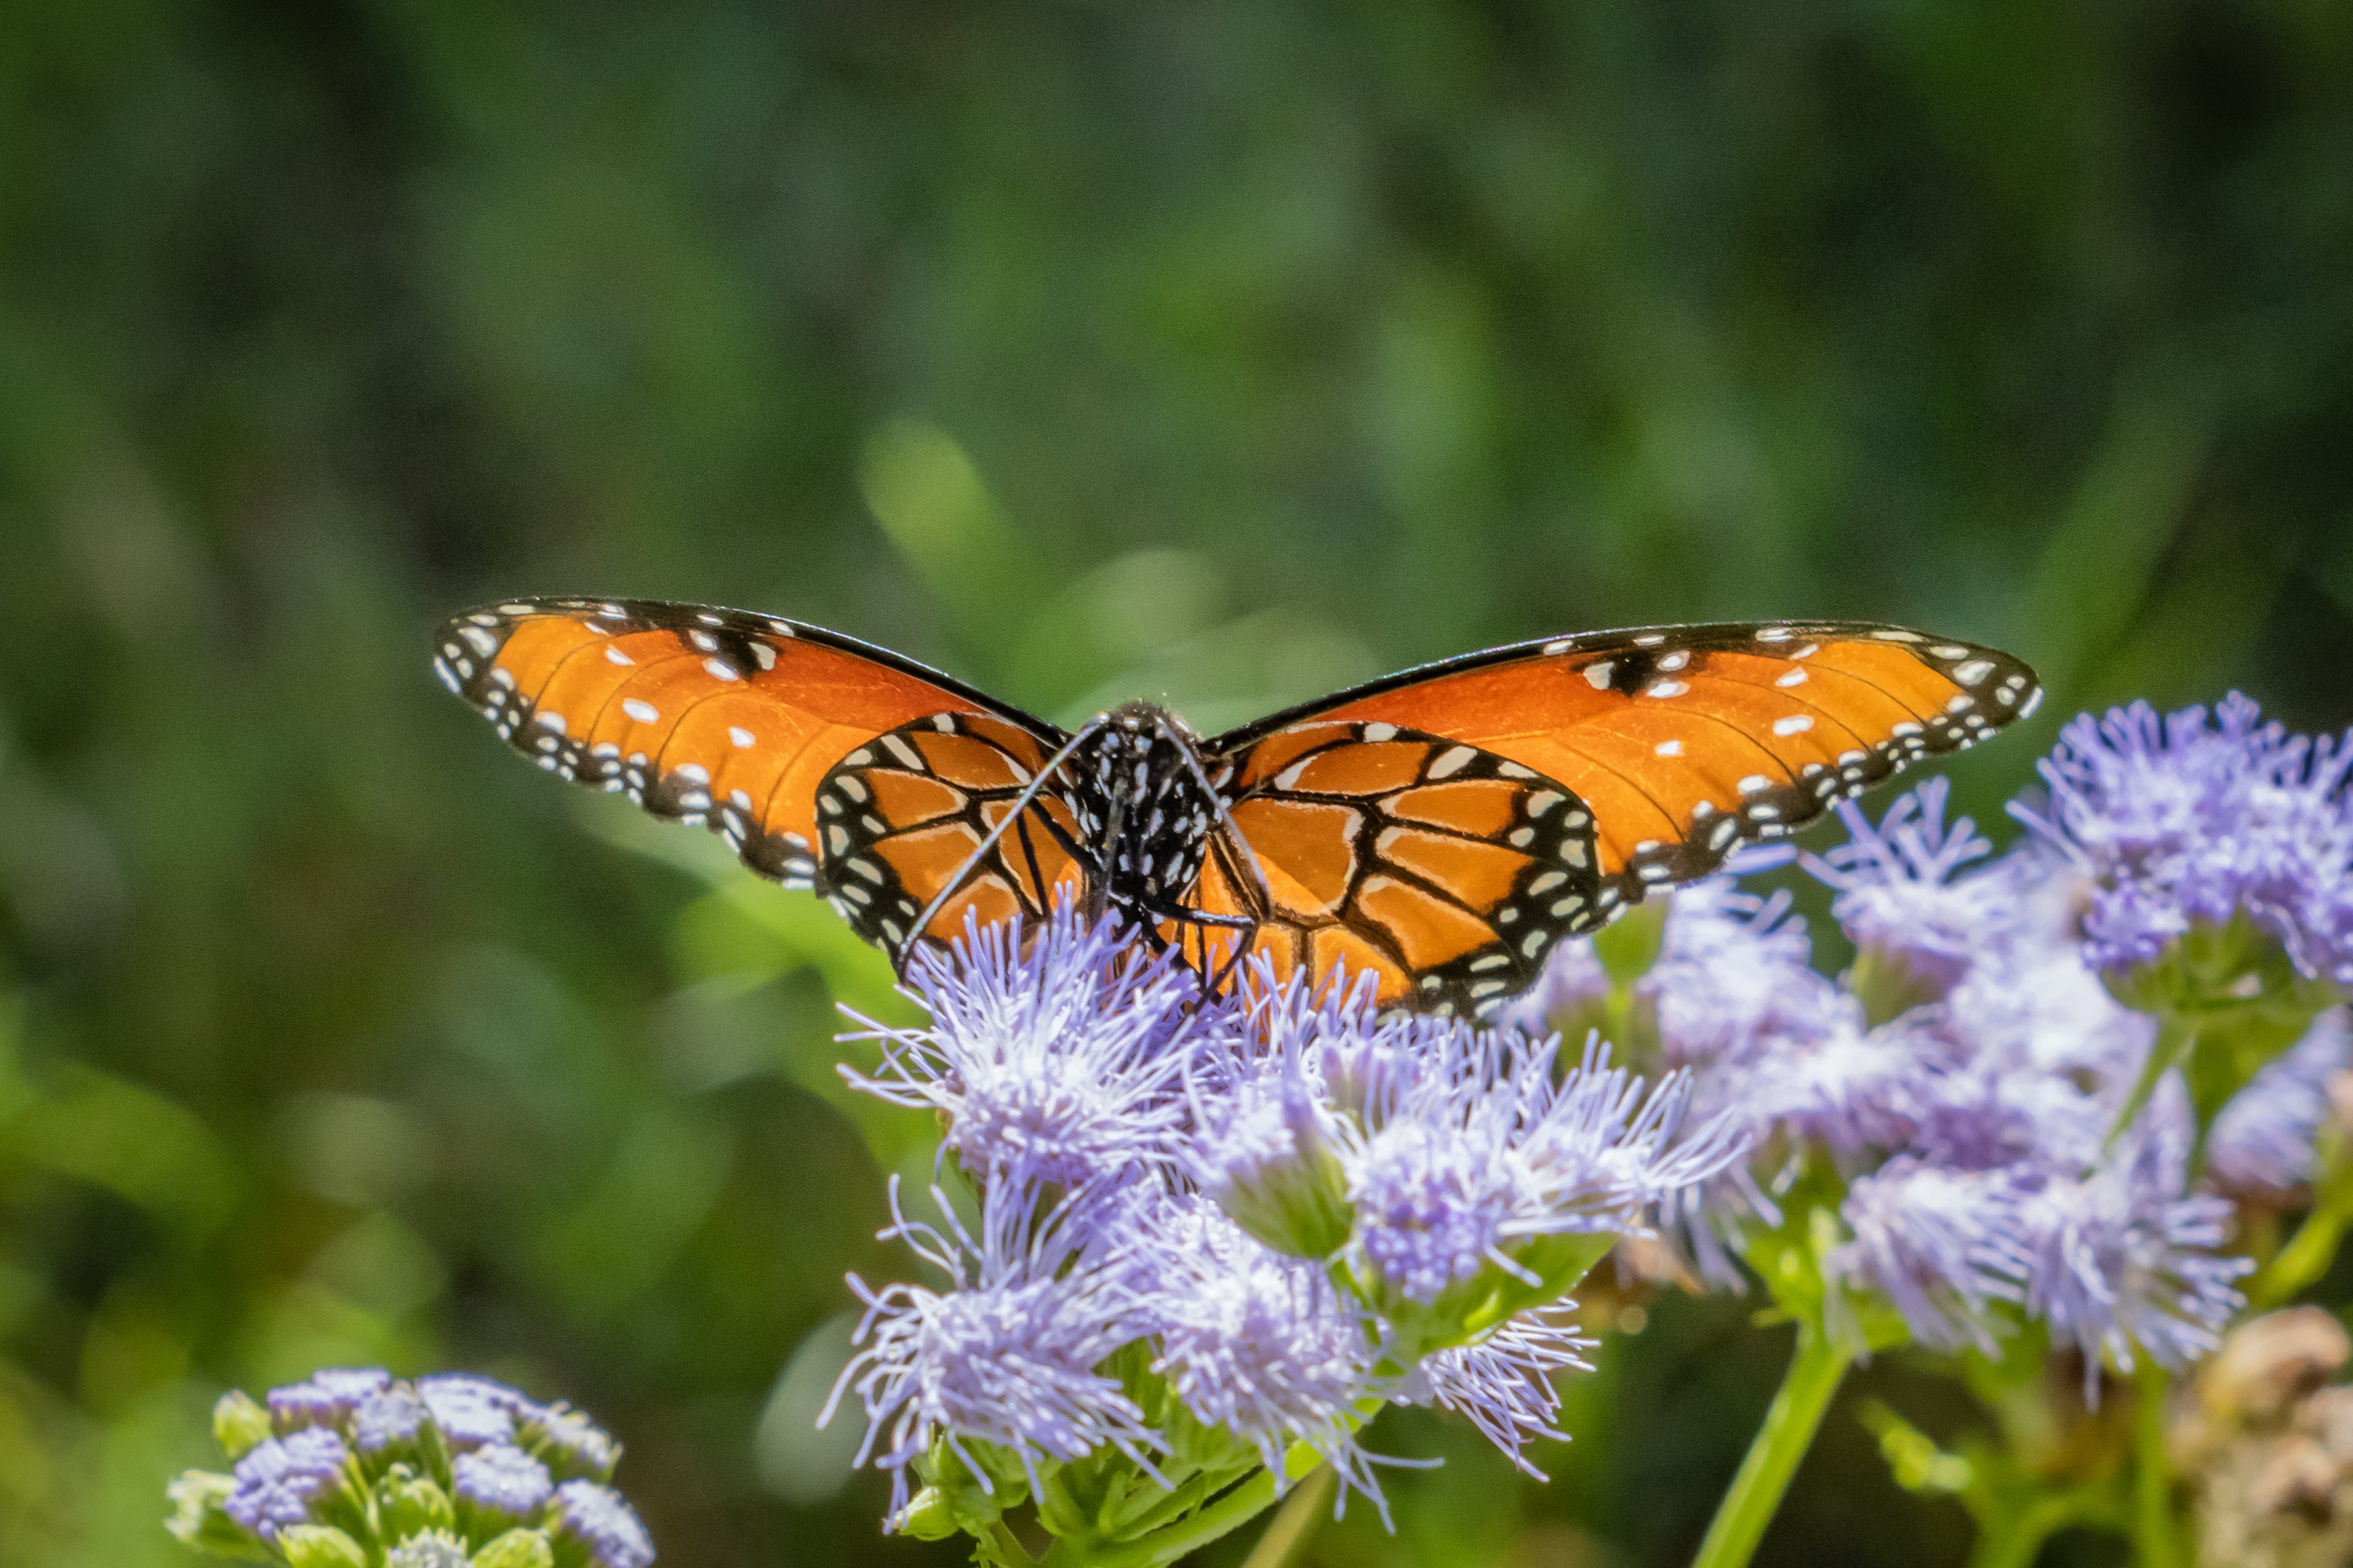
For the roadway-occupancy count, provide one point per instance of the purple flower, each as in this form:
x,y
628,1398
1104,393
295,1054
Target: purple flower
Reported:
x,y
1848,1089
283,1479
1055,1049
2261,1142
1476,1150
572,1444
1735,978
600,1522
1502,1382
1941,1245
1917,922
325,1399
500,1486
388,1420
433,1549
1266,1152
471,1411
1259,1342
2120,1261
2035,1057
2186,820
1008,1357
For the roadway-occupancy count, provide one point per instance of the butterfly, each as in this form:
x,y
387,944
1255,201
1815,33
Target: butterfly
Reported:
x,y
1440,829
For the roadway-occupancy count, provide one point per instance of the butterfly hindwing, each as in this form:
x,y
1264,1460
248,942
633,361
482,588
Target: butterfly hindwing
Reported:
x,y
1447,870
906,819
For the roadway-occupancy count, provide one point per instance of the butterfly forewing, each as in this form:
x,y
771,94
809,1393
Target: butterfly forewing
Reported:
x,y
1686,741
739,721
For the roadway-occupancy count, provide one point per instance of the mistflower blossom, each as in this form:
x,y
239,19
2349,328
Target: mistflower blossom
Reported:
x,y
1266,1151
1261,1343
1465,1164
387,1420
2263,1142
1054,1049
1502,1382
2185,820
433,1549
284,1480
1848,1089
325,1399
600,1522
2121,1262
1007,1356
1917,919
501,1485
1941,1245
375,1473
471,1411
1735,979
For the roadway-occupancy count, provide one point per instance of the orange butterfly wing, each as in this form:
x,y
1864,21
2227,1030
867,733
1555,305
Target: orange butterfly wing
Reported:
x,y
1680,743
823,761
1445,870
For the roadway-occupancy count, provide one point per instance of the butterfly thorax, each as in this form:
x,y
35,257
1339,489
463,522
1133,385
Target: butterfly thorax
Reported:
x,y
1138,785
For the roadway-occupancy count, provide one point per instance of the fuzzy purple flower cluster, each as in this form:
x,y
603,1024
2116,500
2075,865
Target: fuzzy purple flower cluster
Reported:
x,y
2190,819
352,1466
1973,1098
1200,1238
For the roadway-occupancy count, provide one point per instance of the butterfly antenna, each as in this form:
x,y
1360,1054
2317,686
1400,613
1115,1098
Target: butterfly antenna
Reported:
x,y
1020,804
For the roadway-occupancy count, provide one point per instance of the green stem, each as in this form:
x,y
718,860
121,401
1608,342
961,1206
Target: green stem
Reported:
x,y
1000,1547
2175,1036
2304,1258
1237,1508
2155,1536
2020,1541
1796,1414
1294,1523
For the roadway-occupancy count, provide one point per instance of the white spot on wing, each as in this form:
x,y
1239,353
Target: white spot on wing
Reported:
x,y
643,712
1795,724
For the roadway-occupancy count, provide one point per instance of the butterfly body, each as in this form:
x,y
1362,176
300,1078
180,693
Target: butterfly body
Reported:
x,y
1443,829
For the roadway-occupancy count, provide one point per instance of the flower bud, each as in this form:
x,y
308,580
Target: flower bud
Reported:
x,y
239,1423
200,1519
517,1549
320,1546
411,1504
389,1426
497,1488
325,1399
592,1526
570,1445
434,1549
1275,1172
1630,945
928,1516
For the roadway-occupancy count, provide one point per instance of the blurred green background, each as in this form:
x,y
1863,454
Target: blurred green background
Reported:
x,y
1224,352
